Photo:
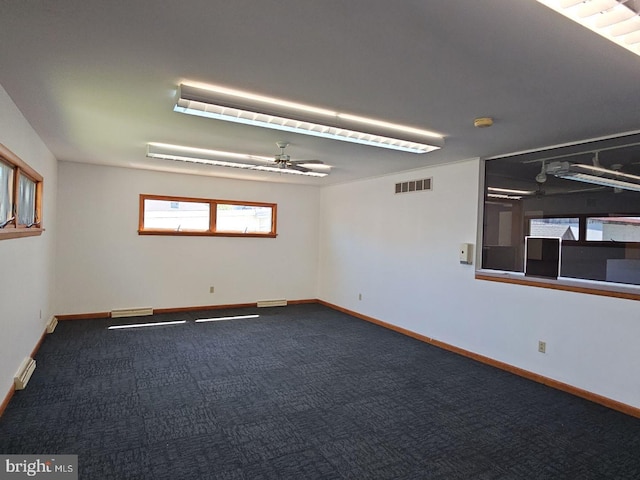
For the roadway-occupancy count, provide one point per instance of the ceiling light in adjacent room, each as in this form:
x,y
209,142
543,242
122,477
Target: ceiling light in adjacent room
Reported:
x,y
247,108
510,190
581,172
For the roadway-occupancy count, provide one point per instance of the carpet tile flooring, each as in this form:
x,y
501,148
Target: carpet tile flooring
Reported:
x,y
302,392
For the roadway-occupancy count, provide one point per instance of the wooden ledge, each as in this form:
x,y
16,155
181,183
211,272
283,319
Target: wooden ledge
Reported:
x,y
559,285
20,232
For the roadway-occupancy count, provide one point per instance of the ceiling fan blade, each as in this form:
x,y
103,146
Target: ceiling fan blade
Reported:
x,y
298,168
306,162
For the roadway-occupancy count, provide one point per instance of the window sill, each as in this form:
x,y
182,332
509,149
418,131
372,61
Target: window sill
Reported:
x,y
589,287
172,233
8,233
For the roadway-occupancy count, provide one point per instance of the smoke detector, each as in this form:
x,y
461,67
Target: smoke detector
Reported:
x,y
483,122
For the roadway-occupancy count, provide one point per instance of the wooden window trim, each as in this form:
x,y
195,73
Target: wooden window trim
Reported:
x,y
13,230
211,232
564,284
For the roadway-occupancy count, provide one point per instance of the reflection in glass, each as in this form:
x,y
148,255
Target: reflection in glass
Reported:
x,y
598,222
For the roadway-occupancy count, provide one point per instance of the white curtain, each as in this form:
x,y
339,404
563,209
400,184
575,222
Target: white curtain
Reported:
x,y
6,182
26,201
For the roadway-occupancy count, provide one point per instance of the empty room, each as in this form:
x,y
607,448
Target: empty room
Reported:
x,y
320,240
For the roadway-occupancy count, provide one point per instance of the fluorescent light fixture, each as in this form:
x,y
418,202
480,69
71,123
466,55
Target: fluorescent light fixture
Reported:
x,y
595,175
221,159
616,20
510,190
218,319
502,196
243,107
140,325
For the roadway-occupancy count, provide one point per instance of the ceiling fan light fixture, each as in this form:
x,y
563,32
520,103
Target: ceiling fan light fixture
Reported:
x,y
542,176
218,158
615,20
257,110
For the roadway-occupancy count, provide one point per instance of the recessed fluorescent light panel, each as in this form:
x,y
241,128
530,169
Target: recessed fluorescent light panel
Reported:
x,y
243,107
616,20
218,158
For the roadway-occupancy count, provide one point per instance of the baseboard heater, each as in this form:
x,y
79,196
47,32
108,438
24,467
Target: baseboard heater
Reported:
x,y
131,312
23,374
52,324
272,303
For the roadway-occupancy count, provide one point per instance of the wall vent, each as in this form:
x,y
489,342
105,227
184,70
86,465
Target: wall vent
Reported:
x,y
414,186
52,324
23,374
131,312
272,303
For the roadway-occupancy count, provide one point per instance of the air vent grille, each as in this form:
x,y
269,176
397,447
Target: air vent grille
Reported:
x,y
24,373
272,303
51,325
414,186
131,312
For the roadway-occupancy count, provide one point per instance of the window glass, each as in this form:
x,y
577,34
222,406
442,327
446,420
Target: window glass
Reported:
x,y
6,188
587,195
164,215
176,216
243,218
26,201
613,229
564,228
21,199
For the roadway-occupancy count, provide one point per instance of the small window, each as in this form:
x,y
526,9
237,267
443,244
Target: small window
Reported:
x,y
176,216
243,218
161,215
26,201
564,228
613,229
20,197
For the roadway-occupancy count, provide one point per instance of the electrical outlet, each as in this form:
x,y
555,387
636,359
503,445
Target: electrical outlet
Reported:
x,y
542,346
359,296
211,290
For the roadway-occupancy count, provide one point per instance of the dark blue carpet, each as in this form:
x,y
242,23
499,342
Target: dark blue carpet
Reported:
x,y
303,392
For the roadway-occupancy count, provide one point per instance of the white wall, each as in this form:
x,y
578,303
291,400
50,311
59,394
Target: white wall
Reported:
x,y
104,264
26,264
401,253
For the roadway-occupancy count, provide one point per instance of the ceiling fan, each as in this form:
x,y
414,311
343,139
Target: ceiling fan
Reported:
x,y
284,161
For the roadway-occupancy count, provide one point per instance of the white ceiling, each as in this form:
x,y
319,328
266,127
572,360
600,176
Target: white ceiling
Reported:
x,y
97,79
